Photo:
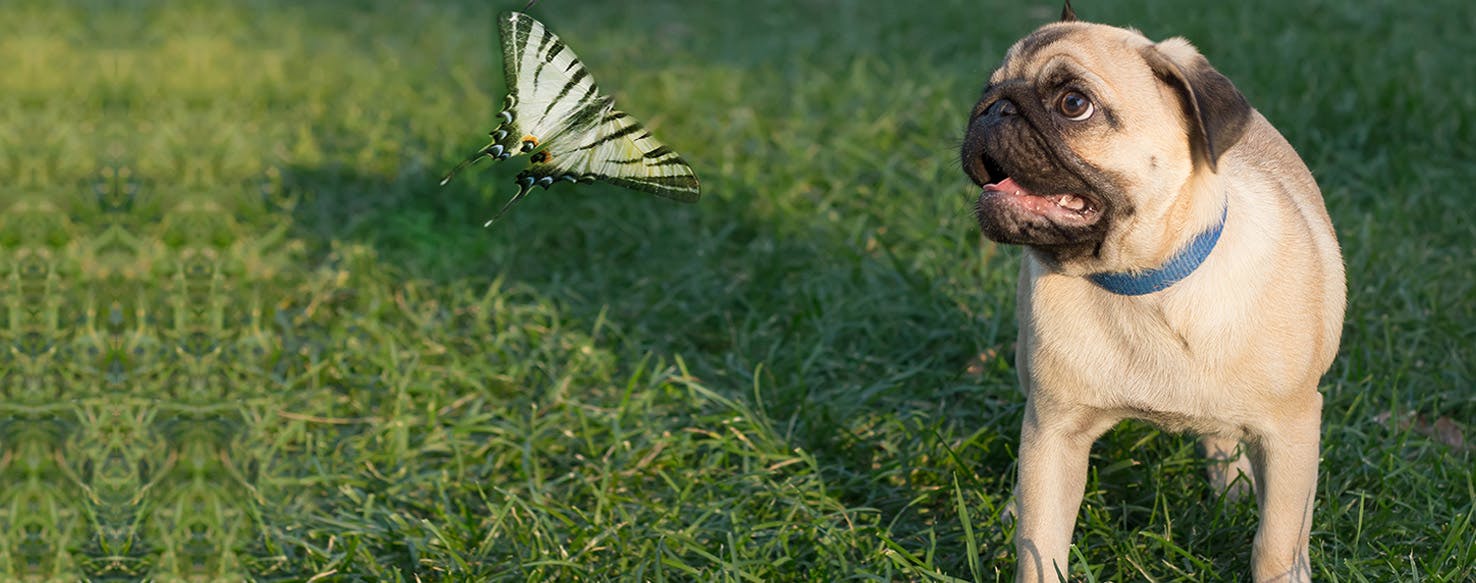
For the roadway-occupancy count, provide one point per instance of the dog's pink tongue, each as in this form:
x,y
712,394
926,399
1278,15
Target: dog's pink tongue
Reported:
x,y
1008,186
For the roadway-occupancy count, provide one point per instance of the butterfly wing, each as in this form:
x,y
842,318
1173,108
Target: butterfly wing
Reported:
x,y
618,150
549,89
549,92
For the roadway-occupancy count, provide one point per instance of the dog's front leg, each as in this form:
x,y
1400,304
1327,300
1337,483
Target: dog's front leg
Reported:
x,y
1284,459
1055,442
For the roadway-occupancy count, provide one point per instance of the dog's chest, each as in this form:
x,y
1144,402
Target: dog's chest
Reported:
x,y
1140,359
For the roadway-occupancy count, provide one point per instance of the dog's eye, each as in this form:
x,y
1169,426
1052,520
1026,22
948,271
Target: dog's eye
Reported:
x,y
1075,106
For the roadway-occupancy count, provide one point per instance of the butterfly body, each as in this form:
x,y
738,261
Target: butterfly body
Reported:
x,y
554,111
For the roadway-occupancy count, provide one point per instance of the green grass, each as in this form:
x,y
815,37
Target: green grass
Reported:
x,y
247,336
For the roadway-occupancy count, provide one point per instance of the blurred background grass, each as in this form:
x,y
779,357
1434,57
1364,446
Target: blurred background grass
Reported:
x,y
248,337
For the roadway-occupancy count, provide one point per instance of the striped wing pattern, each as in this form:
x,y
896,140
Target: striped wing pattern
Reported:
x,y
623,153
555,111
551,91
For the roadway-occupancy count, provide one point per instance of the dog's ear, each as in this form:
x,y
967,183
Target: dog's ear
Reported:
x,y
1218,113
1067,14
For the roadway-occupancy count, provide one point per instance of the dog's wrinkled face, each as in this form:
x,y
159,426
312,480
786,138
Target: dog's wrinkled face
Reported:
x,y
1087,131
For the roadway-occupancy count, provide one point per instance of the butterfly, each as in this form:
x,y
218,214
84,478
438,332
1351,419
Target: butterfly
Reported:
x,y
554,111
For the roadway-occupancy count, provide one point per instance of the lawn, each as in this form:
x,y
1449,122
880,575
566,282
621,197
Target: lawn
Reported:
x,y
248,336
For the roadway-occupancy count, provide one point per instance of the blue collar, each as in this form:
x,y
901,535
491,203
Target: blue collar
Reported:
x,y
1178,267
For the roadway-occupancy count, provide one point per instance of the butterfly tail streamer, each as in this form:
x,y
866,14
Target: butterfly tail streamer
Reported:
x,y
492,150
523,190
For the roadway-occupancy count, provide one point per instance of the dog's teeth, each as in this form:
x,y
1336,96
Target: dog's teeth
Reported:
x,y
1070,201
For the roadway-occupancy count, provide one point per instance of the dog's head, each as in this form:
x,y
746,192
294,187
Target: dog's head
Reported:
x,y
1088,135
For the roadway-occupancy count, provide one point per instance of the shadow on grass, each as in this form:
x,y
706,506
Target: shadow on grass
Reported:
x,y
851,353
847,352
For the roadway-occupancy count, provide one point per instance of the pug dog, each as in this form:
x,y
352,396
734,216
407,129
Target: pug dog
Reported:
x,y
1179,267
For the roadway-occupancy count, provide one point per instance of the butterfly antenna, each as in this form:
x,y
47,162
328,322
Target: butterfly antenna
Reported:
x,y
483,153
523,190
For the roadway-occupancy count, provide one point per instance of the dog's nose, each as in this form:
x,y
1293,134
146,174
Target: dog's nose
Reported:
x,y
1003,108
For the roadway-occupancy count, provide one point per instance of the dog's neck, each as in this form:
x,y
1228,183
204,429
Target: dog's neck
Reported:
x,y
1176,268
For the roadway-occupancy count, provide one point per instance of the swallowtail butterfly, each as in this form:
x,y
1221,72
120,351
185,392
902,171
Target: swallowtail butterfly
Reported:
x,y
554,111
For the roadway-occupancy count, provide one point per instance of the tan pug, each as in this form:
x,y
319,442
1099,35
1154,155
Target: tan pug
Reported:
x,y
1180,267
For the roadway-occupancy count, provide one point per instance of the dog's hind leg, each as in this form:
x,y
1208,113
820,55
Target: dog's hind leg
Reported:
x,y
1229,468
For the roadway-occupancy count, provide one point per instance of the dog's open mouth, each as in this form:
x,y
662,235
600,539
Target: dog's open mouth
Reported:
x,y
1051,205
1062,207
